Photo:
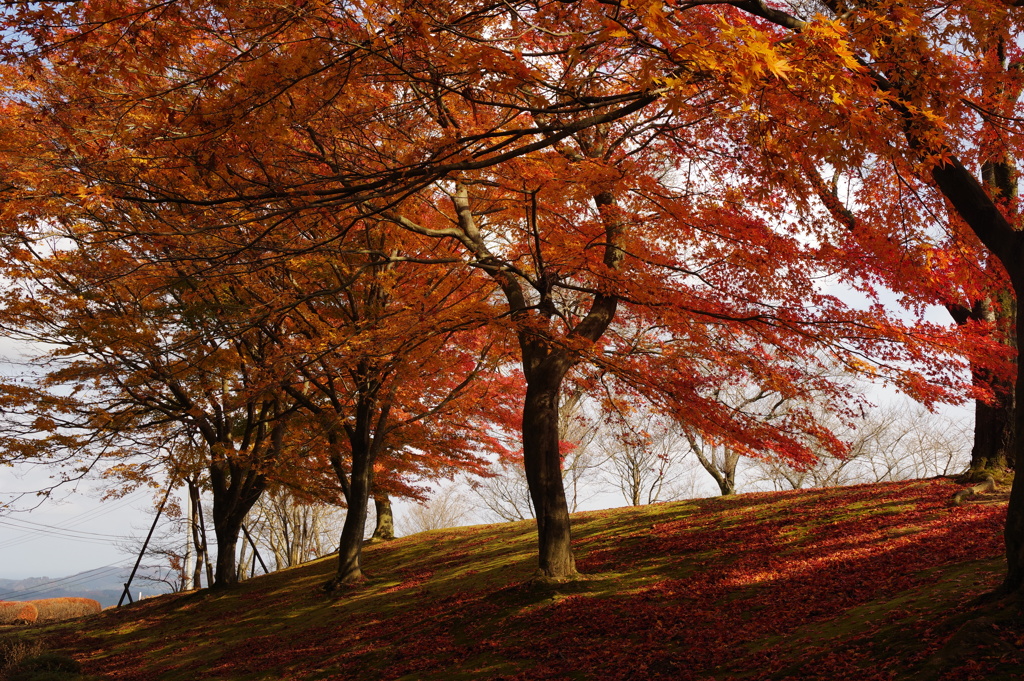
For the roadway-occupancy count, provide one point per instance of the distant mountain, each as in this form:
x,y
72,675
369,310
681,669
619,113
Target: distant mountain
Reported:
x,y
102,584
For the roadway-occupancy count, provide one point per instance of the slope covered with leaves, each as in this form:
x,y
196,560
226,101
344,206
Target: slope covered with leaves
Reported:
x,y
867,582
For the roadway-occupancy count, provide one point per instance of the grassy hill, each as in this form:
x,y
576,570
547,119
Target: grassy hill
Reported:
x,y
867,582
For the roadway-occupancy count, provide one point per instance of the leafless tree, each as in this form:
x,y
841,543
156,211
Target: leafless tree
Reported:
x,y
896,442
505,496
645,454
449,507
292,530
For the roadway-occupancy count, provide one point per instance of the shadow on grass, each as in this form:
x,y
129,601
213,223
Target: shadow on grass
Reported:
x,y
849,583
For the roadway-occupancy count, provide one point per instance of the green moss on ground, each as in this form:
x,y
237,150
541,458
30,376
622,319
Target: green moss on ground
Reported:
x,y
867,582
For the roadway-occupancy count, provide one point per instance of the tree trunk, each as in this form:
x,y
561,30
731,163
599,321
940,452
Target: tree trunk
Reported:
x,y
992,452
385,529
1013,532
725,477
730,459
236,489
243,554
543,464
206,543
357,496
226,530
198,540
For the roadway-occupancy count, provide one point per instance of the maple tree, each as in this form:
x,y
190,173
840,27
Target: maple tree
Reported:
x,y
411,388
930,95
306,366
138,361
588,157
585,247
319,318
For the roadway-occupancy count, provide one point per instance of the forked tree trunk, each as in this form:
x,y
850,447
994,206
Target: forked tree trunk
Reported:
x,y
725,476
236,489
385,529
543,463
545,365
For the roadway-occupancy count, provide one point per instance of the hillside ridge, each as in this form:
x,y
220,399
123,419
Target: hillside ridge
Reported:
x,y
866,582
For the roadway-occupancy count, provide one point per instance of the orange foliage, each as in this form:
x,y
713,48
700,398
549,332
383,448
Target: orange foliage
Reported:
x,y
18,612
633,186
65,608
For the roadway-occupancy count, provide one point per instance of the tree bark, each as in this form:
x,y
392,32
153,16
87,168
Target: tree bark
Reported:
x,y
226,529
206,542
366,435
725,476
992,453
545,364
350,549
198,539
236,489
385,529
543,464
1013,532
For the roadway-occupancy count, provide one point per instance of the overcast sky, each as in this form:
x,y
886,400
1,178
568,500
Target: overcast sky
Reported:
x,y
69,533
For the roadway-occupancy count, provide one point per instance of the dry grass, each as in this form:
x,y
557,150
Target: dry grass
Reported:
x,y
14,650
60,609
17,612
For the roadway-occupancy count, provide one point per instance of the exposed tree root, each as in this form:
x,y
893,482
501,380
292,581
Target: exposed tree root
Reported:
x,y
543,582
337,587
986,485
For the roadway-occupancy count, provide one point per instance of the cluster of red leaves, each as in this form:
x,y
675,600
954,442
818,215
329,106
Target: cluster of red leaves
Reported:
x,y
734,587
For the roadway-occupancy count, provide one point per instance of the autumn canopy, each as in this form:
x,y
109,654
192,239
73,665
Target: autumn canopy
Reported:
x,y
340,245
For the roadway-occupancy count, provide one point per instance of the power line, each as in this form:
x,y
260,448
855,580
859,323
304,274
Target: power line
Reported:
x,y
103,509
64,531
56,528
35,533
78,579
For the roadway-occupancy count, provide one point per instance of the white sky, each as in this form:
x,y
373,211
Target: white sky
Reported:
x,y
69,533
74,531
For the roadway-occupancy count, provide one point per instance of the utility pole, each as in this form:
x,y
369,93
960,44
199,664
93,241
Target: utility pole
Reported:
x,y
145,545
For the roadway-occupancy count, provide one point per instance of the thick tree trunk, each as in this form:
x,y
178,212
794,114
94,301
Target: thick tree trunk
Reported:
x,y
350,549
236,489
992,453
543,464
1013,533
226,530
385,529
